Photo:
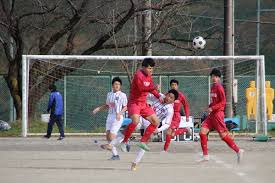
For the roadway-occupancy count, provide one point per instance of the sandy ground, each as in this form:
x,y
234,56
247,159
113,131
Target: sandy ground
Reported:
x,y
79,159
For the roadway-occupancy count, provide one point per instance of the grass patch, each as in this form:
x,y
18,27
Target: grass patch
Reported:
x,y
271,133
41,127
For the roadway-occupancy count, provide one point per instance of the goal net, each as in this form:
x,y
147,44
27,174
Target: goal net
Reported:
x,y
84,82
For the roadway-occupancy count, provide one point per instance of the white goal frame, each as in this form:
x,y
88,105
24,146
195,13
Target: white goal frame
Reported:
x,y
261,121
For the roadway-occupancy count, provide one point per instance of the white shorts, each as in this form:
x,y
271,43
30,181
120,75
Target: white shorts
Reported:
x,y
112,124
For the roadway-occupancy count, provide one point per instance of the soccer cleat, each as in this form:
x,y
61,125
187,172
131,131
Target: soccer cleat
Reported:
x,y
164,152
115,157
143,146
106,146
134,167
240,155
123,146
204,158
128,147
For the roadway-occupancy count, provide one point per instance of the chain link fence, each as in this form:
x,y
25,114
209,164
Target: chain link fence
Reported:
x,y
83,93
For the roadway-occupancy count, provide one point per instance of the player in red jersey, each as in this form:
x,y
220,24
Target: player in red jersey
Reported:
x,y
173,129
215,119
142,83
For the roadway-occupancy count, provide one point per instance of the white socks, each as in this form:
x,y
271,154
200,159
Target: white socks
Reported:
x,y
139,156
114,151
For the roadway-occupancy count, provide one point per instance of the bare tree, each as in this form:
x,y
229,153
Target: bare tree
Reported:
x,y
42,25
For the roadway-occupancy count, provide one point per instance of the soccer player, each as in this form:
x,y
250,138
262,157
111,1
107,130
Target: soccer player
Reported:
x,y
142,83
215,119
173,129
116,102
164,111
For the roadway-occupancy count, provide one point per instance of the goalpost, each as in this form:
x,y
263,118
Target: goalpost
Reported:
x,y
85,80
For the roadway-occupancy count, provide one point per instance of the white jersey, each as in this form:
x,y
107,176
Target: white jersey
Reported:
x,y
163,111
116,101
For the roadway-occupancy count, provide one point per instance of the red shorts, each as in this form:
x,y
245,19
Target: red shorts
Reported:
x,y
140,108
175,120
215,121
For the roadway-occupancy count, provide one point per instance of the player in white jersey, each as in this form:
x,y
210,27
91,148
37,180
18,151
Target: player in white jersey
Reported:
x,y
164,112
116,102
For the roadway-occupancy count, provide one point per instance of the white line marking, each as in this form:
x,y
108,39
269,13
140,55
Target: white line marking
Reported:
x,y
237,172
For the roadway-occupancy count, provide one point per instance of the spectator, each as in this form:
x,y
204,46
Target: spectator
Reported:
x,y
55,107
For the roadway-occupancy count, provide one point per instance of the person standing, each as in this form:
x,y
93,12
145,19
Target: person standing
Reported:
x,y
55,108
116,103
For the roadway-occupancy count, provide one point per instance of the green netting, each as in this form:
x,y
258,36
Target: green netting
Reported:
x,y
83,93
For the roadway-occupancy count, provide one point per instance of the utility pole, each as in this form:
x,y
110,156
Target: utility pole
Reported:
x,y
228,51
258,27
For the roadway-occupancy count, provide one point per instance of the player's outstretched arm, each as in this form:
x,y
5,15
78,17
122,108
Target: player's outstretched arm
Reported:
x,y
100,108
118,115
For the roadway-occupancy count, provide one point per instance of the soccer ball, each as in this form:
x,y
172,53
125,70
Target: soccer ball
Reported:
x,y
199,42
196,137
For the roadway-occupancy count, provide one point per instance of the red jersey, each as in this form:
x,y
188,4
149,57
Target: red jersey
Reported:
x,y
140,86
218,99
181,101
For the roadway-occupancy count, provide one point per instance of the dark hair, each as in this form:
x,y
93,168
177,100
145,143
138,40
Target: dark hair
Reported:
x,y
52,87
148,62
216,72
116,79
174,81
175,92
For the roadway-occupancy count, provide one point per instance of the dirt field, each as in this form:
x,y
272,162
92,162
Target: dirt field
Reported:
x,y
79,159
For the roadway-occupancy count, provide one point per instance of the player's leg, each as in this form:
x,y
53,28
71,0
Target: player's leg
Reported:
x,y
128,131
109,122
60,127
203,136
50,126
112,128
180,131
220,127
225,136
134,112
168,137
112,135
205,128
137,160
153,119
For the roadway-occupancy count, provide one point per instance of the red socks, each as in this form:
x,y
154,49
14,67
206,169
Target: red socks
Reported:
x,y
230,142
167,142
204,143
128,132
148,132
169,137
180,131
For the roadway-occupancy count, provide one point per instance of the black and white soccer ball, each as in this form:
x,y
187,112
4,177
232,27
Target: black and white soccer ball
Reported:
x,y
199,43
196,137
